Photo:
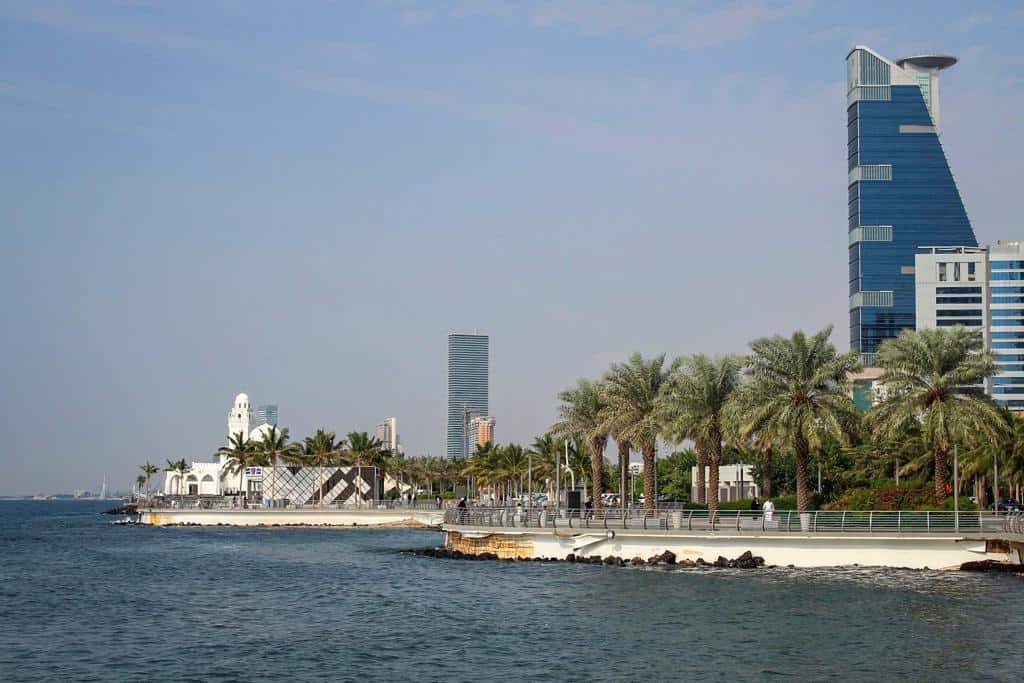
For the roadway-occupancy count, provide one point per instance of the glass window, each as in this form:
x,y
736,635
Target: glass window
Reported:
x,y
952,322
1008,299
1012,368
964,313
959,300
1008,390
970,271
1007,380
1008,322
1007,265
1008,335
956,272
1008,275
1006,312
1007,290
1008,345
942,272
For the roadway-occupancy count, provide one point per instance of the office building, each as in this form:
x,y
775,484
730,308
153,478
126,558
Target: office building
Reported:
x,y
979,288
266,415
901,193
467,389
387,434
481,431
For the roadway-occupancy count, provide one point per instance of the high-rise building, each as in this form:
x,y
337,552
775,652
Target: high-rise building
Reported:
x,y
387,434
266,415
902,194
467,389
481,431
979,288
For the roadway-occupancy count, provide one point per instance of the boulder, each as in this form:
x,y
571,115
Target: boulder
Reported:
x,y
721,562
571,557
638,561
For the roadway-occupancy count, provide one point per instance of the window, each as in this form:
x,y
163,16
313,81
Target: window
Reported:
x,y
1008,275
1012,368
964,313
1008,299
1008,390
953,322
1007,380
1006,312
1006,290
1008,335
1008,345
959,290
970,271
942,272
959,300
1007,265
1008,322
956,272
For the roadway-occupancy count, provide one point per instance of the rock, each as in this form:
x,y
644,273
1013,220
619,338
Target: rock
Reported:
x,y
667,557
745,556
571,557
701,562
687,563
992,566
638,561
594,559
721,562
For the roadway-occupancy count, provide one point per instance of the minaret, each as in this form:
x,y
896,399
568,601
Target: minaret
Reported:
x,y
240,417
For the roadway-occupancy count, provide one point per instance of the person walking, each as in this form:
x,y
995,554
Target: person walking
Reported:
x,y
769,510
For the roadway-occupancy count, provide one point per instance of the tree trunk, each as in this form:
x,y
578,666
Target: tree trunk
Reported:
x,y
624,448
766,472
714,447
596,471
803,496
941,456
649,464
702,462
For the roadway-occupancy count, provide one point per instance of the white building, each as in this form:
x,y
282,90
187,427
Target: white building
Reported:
x,y
735,482
387,434
240,419
979,287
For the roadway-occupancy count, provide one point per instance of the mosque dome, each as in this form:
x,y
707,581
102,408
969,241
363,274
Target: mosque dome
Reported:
x,y
257,434
242,399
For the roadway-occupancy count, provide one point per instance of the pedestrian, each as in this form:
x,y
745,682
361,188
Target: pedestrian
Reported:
x,y
769,510
438,502
589,508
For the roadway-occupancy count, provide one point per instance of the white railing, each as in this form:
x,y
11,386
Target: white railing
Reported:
x,y
782,521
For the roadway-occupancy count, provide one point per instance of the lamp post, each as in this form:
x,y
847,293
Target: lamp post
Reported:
x,y
956,488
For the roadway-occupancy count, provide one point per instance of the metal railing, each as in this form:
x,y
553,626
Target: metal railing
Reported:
x,y
741,521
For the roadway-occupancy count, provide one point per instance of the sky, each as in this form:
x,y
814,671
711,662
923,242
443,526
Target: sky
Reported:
x,y
301,200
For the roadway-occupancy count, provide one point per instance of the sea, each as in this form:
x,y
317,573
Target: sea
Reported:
x,y
82,599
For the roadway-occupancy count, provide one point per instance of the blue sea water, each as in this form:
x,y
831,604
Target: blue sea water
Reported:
x,y
83,600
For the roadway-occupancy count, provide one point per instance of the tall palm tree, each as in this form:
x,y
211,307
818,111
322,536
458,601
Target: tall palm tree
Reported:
x,y
796,396
581,416
933,376
272,447
148,469
513,462
631,391
321,449
364,448
140,481
694,401
239,454
178,467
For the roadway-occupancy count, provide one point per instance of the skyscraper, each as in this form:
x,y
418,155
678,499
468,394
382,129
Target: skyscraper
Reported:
x,y
467,388
387,434
266,415
481,431
902,194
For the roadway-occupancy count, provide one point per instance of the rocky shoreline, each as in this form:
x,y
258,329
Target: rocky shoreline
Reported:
x,y
667,559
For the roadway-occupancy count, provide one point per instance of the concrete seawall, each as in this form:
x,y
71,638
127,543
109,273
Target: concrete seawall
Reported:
x,y
293,517
916,551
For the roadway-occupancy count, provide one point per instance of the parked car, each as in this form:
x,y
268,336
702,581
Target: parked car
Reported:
x,y
1007,505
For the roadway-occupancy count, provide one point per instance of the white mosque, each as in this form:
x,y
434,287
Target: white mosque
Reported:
x,y
291,484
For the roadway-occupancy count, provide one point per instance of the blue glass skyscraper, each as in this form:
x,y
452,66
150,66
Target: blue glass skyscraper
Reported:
x,y
902,194
467,389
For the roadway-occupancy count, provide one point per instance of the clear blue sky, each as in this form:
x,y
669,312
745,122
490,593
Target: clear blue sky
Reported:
x,y
300,200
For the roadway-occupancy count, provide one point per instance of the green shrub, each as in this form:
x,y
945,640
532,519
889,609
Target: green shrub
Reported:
x,y
914,496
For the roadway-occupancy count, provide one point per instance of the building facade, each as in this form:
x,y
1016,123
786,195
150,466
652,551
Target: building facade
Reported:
x,y
468,393
980,288
240,417
901,193
735,482
481,430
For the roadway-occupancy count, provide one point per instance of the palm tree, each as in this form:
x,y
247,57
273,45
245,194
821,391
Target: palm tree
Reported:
x,y
582,417
697,395
179,467
273,446
513,462
933,376
365,448
796,396
140,481
148,469
631,391
321,449
239,454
